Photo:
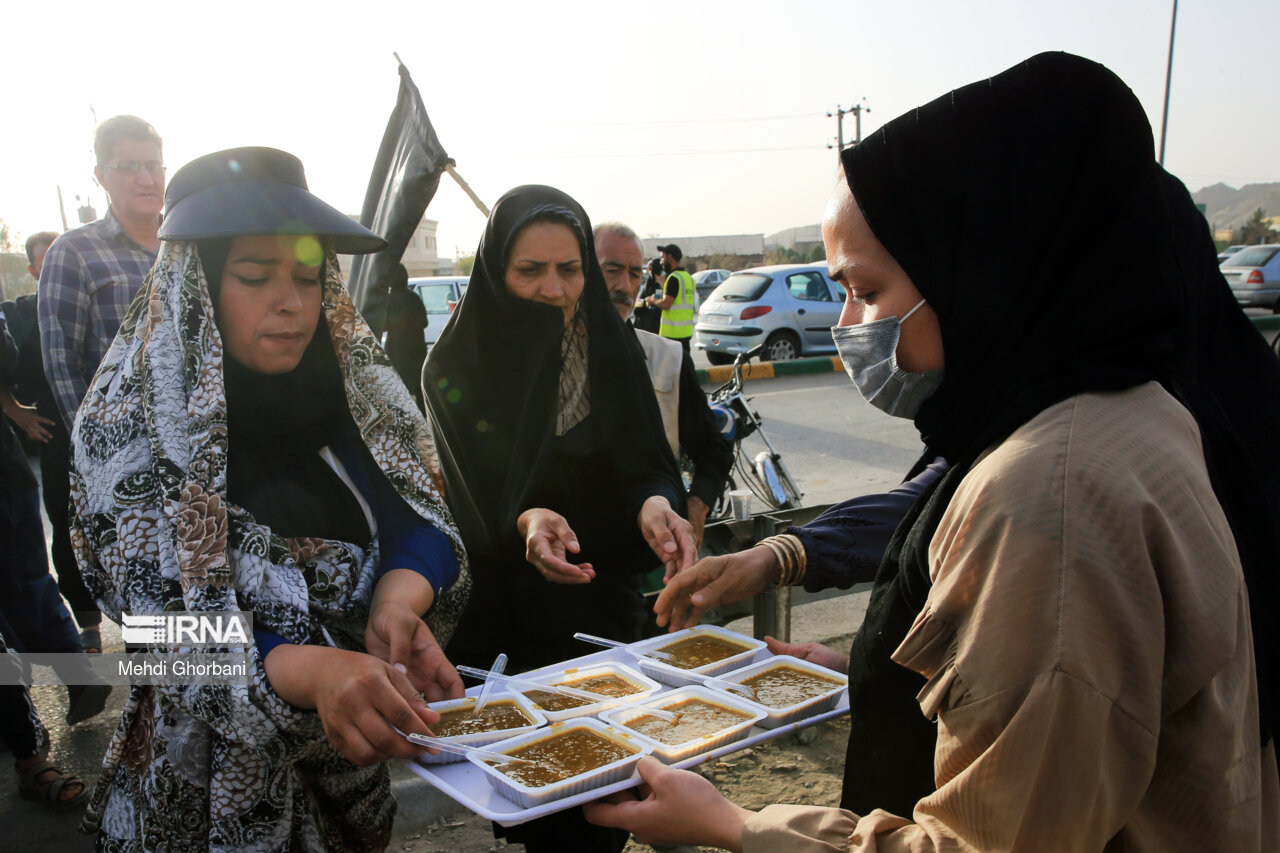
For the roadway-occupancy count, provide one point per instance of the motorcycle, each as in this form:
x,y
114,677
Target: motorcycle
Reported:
x,y
762,472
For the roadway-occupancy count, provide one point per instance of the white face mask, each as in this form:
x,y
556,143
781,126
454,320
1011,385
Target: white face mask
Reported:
x,y
868,352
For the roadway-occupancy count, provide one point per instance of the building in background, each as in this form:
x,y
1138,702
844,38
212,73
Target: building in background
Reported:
x,y
802,239
732,251
420,256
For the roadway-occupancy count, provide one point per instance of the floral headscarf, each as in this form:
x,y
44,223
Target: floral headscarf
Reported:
x,y
153,530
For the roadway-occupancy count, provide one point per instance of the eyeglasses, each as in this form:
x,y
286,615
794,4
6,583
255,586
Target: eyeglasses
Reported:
x,y
132,167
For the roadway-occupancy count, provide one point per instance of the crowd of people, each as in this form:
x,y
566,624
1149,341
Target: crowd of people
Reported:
x,y
1067,645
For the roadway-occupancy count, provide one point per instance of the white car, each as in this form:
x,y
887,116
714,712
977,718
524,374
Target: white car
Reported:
x,y
440,294
1228,252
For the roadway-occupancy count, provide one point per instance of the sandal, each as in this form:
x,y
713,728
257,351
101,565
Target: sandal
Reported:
x,y
91,640
49,790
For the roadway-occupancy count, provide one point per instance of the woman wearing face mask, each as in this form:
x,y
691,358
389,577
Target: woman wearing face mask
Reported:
x,y
245,446
1068,643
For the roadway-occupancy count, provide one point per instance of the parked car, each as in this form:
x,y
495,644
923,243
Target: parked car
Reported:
x,y
1254,276
707,281
789,308
1228,252
440,294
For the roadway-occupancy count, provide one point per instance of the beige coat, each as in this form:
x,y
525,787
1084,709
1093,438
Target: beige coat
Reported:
x,y
1087,647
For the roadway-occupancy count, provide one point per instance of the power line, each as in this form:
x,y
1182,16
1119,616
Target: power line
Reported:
x,y
577,155
689,121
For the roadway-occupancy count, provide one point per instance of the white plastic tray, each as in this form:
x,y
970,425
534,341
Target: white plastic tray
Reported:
x,y
467,785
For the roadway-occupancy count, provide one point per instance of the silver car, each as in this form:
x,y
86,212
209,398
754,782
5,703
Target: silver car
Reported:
x,y
1254,276
1228,252
708,280
789,308
440,295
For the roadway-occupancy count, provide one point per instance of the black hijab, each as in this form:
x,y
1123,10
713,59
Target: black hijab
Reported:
x,y
1064,307
491,382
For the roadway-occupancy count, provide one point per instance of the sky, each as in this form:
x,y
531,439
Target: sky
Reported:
x,y
678,118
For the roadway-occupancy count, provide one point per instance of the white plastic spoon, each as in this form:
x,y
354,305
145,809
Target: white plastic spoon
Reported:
x,y
574,693
626,647
463,749
499,664
709,680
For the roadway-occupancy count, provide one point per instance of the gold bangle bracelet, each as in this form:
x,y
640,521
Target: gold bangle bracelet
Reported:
x,y
777,555
792,560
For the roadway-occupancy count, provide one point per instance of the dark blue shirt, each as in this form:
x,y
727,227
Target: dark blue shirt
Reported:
x,y
406,540
843,546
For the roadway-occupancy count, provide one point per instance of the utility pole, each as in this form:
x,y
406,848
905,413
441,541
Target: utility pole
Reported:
x,y
62,211
857,110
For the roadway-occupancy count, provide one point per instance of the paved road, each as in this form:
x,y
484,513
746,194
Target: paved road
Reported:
x,y
834,444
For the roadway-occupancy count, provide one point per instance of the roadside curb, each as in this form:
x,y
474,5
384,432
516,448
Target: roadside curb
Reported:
x,y
770,369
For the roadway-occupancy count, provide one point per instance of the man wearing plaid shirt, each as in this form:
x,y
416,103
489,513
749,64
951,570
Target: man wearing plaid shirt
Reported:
x,y
91,273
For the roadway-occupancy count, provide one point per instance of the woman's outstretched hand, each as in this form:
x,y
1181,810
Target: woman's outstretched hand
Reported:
x,y
547,539
674,807
812,652
670,536
396,634
361,700
713,581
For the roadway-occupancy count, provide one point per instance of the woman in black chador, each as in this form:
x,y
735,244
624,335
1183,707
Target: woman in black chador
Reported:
x,y
555,459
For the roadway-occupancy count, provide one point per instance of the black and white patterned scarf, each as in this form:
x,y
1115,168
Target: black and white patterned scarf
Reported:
x,y
224,767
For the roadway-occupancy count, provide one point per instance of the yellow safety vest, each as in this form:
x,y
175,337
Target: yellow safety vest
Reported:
x,y
677,321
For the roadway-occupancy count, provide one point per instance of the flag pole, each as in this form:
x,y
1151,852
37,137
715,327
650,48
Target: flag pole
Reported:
x,y
466,188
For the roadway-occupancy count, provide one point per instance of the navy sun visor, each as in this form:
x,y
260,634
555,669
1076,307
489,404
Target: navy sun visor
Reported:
x,y
249,191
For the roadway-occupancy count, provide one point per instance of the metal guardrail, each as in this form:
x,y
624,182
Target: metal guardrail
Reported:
x,y
770,609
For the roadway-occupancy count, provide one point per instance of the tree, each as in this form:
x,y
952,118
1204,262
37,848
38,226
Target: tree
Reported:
x,y
817,253
783,255
1257,230
463,264
14,281
731,262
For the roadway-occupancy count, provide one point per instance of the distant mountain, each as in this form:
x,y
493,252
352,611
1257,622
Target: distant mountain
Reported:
x,y
1226,207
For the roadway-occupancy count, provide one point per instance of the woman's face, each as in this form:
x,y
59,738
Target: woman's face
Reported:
x,y
269,303
876,286
545,265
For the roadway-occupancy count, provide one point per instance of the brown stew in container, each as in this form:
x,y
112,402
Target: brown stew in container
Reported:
x,y
563,756
495,717
603,685
697,719
693,652
784,685
553,701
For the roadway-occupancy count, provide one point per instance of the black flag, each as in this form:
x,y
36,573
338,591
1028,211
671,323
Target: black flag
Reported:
x,y
404,180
